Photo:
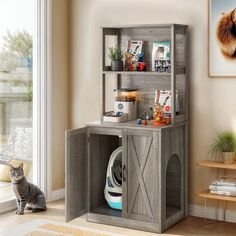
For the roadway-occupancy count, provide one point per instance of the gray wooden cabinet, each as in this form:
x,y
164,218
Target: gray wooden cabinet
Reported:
x,y
154,159
153,186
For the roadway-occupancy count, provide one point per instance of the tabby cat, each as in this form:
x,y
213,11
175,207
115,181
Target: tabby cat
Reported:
x,y
26,192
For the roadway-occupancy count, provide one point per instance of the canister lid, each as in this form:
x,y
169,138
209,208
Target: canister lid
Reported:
x,y
125,90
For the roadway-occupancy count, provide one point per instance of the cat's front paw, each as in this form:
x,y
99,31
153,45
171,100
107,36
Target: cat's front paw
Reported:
x,y
17,211
20,213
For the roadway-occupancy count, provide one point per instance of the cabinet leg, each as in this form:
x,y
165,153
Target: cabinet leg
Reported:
x,y
205,200
217,210
225,205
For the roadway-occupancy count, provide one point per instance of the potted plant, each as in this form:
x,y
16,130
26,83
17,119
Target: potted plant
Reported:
x,y
116,56
225,144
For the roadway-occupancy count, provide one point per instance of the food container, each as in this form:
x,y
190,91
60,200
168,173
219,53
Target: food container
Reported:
x,y
116,117
125,100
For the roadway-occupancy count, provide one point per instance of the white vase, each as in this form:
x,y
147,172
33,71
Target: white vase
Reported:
x,y
228,157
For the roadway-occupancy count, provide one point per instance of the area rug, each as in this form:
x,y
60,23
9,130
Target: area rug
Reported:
x,y
50,228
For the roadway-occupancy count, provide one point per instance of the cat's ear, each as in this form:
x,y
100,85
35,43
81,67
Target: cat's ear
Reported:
x,y
234,15
11,167
223,13
21,165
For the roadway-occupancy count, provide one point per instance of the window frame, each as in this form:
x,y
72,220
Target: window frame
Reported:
x,y
42,102
42,97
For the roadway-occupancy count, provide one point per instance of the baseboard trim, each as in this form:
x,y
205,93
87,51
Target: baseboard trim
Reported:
x,y
57,195
212,213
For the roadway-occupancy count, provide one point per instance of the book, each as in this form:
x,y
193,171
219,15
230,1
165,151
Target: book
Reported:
x,y
223,193
225,181
223,188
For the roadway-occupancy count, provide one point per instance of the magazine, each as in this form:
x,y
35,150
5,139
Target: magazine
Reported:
x,y
161,61
164,97
134,47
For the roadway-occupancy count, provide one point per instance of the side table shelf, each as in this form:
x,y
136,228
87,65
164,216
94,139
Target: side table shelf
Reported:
x,y
206,192
217,164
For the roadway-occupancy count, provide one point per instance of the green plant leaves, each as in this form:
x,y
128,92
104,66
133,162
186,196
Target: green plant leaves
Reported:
x,y
225,141
116,53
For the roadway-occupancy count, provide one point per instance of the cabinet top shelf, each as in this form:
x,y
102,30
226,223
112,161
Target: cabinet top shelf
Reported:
x,y
217,164
137,73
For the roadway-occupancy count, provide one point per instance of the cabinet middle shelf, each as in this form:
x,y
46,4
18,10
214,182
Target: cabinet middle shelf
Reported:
x,y
177,70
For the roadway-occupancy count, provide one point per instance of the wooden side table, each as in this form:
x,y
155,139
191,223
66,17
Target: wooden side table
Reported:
x,y
206,192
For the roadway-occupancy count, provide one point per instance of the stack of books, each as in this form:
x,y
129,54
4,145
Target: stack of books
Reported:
x,y
225,186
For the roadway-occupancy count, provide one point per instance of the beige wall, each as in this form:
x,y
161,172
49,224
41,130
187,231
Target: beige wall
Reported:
x,y
60,89
212,101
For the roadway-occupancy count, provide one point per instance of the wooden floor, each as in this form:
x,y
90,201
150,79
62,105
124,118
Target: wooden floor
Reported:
x,y
190,226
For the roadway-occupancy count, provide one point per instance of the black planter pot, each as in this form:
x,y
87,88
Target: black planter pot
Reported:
x,y
116,65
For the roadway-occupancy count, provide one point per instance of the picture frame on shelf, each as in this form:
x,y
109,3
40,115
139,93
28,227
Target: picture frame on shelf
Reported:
x,y
221,45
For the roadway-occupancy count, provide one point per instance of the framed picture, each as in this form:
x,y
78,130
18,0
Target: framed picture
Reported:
x,y
222,38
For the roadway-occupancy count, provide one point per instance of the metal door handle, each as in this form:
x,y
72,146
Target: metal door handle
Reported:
x,y
123,173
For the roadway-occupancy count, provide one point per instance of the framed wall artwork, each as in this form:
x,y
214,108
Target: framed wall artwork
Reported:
x,y
222,38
